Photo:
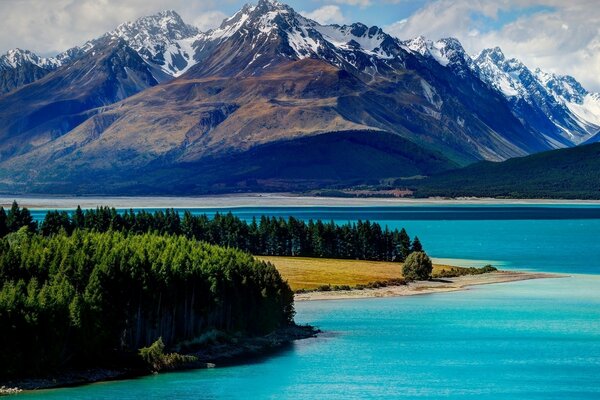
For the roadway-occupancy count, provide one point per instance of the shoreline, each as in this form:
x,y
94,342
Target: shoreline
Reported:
x,y
255,348
219,355
259,200
442,285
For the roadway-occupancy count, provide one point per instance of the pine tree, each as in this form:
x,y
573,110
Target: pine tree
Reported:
x,y
78,218
3,223
404,243
416,245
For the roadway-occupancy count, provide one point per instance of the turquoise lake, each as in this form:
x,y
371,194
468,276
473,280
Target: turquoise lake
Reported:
x,y
533,339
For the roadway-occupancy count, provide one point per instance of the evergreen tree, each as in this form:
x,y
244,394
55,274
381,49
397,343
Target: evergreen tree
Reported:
x,y
86,298
19,217
78,218
404,243
416,245
3,223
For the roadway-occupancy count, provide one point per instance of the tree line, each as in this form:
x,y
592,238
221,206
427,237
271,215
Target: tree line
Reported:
x,y
362,240
92,298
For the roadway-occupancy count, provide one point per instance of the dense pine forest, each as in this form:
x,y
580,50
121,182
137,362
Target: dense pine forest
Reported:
x,y
267,236
86,298
89,287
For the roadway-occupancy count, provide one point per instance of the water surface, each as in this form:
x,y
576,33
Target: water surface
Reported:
x,y
525,340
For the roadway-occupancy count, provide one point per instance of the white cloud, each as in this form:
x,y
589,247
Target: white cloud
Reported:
x,y
565,38
328,14
209,20
361,3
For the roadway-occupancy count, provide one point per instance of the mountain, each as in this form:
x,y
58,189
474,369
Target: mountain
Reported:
x,y
269,100
20,67
39,113
163,40
544,100
556,107
572,173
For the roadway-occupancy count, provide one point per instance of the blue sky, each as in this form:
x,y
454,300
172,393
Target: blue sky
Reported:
x,y
556,35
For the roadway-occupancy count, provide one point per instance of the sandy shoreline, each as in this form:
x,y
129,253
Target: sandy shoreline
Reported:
x,y
428,287
259,200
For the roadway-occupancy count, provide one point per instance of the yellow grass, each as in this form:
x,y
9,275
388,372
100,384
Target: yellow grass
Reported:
x,y
311,273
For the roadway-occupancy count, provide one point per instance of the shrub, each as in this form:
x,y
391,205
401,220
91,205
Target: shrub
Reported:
x,y
417,267
156,358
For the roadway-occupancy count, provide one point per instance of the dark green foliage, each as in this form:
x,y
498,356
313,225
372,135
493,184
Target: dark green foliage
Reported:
x,y
572,173
86,299
55,222
417,267
416,245
3,222
454,272
360,286
18,217
363,240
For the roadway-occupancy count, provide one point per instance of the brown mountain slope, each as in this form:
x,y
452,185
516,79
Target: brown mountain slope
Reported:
x,y
210,123
38,113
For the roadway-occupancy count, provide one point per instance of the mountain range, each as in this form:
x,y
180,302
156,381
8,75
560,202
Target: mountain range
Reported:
x,y
270,100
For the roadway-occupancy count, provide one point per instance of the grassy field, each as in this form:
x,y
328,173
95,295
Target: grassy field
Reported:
x,y
311,273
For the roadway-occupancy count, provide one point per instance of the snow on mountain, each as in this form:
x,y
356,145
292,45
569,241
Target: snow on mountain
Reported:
x,y
535,96
370,40
448,52
584,105
562,87
20,67
562,99
257,35
162,39
273,30
16,57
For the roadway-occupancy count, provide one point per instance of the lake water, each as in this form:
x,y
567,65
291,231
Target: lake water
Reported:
x,y
535,339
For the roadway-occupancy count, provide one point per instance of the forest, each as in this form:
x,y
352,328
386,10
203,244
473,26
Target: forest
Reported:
x,y
90,288
267,236
90,298
572,173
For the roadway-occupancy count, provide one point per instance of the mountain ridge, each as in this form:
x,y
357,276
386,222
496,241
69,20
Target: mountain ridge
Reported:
x,y
269,75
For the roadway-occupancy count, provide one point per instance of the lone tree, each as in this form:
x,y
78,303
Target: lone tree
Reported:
x,y
417,267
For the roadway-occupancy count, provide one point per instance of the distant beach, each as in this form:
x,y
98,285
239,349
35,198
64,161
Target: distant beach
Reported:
x,y
428,287
259,200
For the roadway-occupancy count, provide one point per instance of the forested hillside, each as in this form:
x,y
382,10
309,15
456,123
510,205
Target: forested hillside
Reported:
x,y
89,299
90,288
567,173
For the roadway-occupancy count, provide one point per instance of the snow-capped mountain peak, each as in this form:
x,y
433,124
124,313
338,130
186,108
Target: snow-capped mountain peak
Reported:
x,y
562,99
446,51
15,58
273,31
494,54
162,27
162,39
563,87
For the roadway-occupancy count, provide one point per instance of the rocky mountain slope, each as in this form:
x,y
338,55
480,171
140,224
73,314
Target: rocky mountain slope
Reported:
x,y
272,100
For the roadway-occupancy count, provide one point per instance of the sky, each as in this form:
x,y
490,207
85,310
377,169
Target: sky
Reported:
x,y
560,36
